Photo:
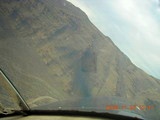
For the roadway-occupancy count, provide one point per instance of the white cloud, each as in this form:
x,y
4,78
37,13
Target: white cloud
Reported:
x,y
133,25
83,6
145,33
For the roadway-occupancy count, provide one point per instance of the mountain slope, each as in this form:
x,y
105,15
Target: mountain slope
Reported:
x,y
50,48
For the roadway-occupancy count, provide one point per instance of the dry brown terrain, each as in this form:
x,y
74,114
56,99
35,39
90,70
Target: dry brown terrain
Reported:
x,y
50,48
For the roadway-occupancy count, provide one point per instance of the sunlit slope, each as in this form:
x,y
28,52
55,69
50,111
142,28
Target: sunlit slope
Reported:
x,y
51,51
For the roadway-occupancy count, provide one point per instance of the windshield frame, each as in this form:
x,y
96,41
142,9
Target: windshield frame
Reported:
x,y
14,93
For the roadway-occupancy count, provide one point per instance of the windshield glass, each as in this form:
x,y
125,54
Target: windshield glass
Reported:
x,y
87,55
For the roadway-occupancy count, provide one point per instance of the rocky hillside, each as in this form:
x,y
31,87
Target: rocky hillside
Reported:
x,y
51,52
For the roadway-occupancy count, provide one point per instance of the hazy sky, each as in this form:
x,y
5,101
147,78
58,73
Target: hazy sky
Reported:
x,y
133,25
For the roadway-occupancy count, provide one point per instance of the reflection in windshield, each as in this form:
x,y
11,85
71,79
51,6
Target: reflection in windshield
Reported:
x,y
57,59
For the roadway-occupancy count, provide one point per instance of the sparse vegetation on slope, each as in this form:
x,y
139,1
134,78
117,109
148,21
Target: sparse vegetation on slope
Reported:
x,y
50,48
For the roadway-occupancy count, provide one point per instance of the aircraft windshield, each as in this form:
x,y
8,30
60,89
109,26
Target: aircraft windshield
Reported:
x,y
87,55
